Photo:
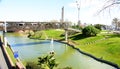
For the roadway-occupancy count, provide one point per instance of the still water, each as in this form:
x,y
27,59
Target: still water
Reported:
x,y
31,49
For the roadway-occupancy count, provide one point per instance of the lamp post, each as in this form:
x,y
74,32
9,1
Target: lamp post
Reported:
x,y
78,3
4,31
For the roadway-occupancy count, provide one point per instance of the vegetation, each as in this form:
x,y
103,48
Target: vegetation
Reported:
x,y
36,35
47,34
116,23
90,31
32,65
98,26
45,62
102,45
107,49
108,4
11,54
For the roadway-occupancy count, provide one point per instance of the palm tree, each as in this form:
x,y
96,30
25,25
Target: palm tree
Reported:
x,y
47,62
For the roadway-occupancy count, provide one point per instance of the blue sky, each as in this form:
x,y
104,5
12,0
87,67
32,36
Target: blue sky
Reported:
x,y
47,10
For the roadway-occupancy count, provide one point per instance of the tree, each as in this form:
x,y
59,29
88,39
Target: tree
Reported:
x,y
115,22
90,31
109,3
47,62
98,26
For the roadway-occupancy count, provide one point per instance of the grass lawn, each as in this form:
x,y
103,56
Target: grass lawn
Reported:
x,y
11,54
107,49
48,34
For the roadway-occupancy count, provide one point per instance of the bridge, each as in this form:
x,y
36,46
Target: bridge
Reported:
x,y
25,25
13,26
72,29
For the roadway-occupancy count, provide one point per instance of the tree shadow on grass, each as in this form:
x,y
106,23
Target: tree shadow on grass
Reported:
x,y
78,37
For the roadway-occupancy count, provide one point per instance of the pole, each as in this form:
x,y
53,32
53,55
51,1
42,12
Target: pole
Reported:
x,y
78,16
62,18
66,35
78,7
5,29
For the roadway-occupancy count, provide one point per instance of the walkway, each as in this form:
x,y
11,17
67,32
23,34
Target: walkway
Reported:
x,y
3,64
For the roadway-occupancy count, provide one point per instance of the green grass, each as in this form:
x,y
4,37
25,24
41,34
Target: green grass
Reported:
x,y
56,34
52,33
108,49
80,39
11,54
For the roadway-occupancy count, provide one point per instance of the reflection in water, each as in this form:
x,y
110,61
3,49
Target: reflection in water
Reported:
x,y
30,49
29,44
51,47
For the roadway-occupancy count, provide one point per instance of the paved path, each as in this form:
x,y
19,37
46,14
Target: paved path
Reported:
x,y
3,64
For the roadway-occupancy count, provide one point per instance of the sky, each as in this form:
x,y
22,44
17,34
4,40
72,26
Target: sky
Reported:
x,y
47,10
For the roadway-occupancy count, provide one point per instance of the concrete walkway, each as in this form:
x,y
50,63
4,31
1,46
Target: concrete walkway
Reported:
x,y
3,64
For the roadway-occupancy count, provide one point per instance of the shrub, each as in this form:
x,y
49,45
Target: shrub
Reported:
x,y
98,26
90,31
32,65
47,62
36,35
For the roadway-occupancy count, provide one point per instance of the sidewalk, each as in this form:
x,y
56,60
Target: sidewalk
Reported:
x,y
3,64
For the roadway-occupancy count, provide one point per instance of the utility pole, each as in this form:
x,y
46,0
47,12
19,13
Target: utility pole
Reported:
x,y
78,7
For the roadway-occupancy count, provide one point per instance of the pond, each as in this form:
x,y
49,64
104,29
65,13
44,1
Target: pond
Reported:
x,y
31,49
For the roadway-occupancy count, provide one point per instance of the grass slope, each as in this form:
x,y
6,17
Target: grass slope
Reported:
x,y
48,34
108,49
11,55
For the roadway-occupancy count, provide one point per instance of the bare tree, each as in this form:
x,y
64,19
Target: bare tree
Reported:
x,y
108,4
115,22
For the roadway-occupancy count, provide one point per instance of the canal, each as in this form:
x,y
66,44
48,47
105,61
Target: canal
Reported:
x,y
31,49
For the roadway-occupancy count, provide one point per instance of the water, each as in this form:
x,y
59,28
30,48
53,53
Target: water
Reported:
x,y
30,49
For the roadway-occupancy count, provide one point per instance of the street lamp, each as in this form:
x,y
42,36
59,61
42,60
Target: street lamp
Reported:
x,y
4,31
78,3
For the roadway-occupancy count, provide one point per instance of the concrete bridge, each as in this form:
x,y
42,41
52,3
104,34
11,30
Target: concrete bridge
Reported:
x,y
72,29
24,25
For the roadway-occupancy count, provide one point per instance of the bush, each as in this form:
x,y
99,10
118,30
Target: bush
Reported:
x,y
32,65
98,26
36,35
47,62
90,31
